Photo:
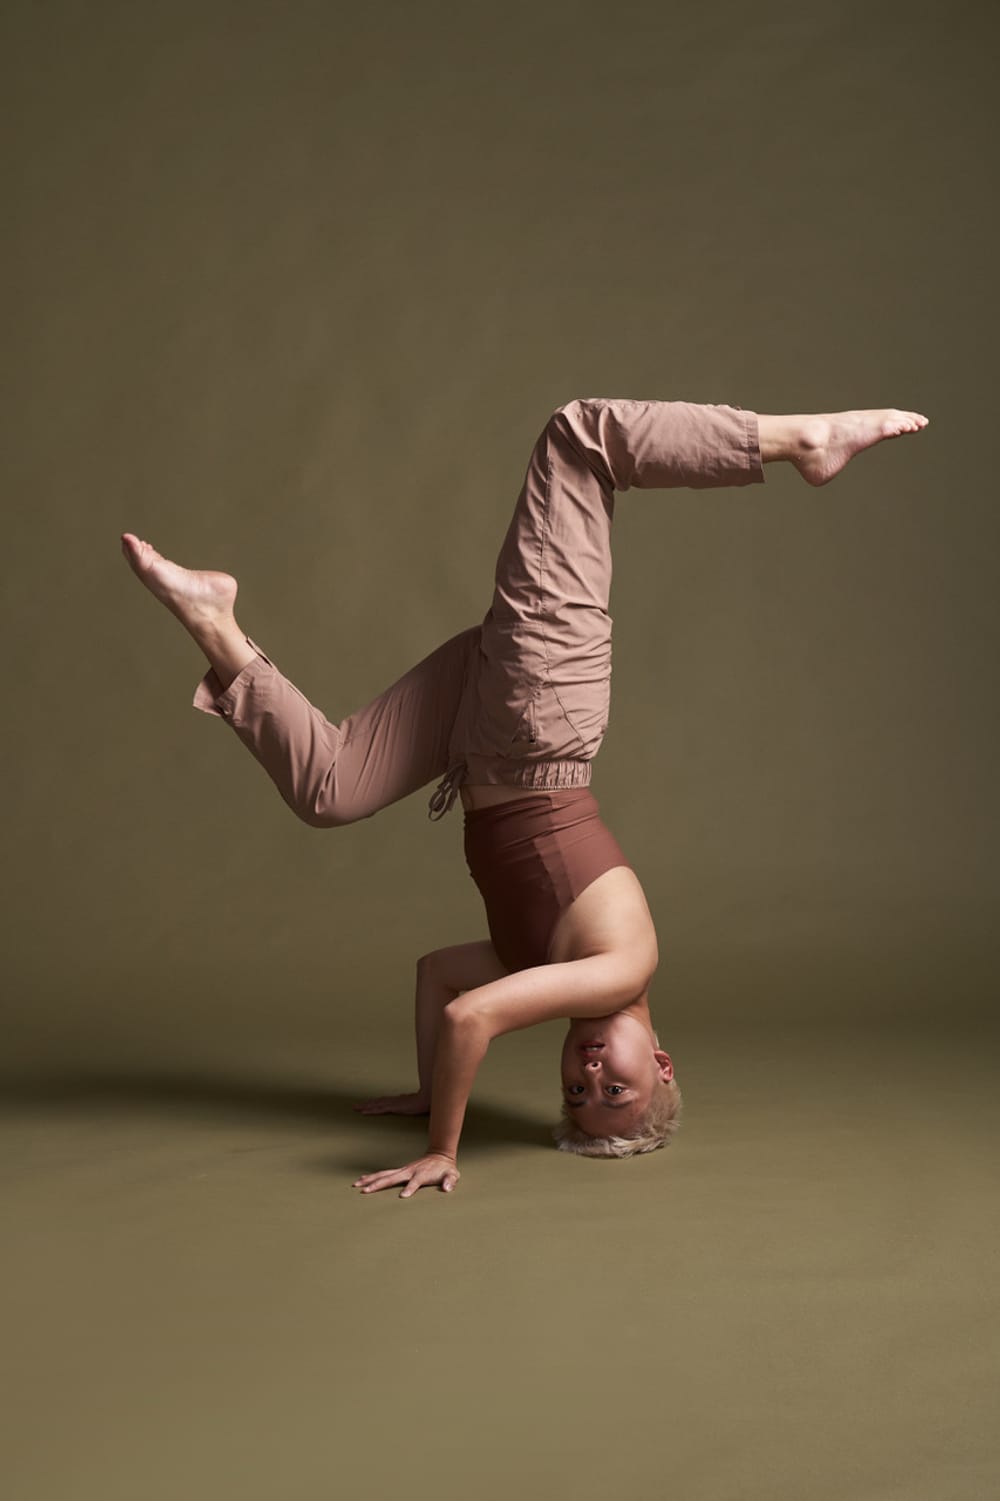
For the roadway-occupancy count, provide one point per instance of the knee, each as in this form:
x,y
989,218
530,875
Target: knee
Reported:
x,y
573,422
559,418
568,413
331,801
322,815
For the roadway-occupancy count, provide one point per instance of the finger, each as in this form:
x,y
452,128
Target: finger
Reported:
x,y
449,1182
416,1181
373,1188
383,1180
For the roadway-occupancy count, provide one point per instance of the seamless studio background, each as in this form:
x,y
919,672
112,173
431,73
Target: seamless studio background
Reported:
x,y
292,291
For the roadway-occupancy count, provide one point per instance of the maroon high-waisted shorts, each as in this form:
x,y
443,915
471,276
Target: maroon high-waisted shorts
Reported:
x,y
530,858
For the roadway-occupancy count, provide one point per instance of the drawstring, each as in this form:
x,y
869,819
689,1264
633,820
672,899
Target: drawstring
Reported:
x,y
446,791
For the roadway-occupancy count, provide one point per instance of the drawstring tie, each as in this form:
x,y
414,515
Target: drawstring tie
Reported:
x,y
446,792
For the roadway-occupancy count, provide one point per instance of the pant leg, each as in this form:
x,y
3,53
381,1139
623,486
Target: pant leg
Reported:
x,y
546,640
334,774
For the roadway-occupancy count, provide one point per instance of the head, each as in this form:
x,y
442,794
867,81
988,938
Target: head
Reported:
x,y
620,1096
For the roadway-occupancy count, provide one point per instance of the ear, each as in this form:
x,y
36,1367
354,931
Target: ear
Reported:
x,y
664,1065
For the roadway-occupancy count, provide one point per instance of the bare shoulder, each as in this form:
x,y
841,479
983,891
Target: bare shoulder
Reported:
x,y
610,916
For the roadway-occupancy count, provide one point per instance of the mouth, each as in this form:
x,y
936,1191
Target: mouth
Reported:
x,y
591,1047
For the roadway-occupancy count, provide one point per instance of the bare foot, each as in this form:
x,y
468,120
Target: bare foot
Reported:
x,y
197,598
828,441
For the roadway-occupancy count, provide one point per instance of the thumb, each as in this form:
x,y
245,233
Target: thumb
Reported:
x,y
450,1182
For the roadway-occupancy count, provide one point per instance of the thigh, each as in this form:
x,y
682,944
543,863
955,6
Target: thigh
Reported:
x,y
399,741
546,639
555,558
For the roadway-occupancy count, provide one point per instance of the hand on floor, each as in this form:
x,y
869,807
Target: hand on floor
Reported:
x,y
434,1168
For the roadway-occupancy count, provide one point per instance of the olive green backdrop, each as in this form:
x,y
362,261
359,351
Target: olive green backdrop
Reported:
x,y
292,290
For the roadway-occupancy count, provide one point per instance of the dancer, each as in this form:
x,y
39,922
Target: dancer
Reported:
x,y
510,714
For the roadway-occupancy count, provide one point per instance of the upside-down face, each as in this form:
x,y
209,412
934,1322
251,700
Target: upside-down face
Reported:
x,y
610,1067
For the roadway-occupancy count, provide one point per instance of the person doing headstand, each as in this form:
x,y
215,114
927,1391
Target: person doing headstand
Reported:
x,y
510,714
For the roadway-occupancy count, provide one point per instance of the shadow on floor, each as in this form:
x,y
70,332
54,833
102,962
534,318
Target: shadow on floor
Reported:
x,y
197,1098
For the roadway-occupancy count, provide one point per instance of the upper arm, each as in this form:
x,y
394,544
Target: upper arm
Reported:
x,y
595,986
464,966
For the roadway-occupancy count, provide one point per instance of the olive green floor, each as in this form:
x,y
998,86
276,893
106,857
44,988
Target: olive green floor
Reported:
x,y
797,1299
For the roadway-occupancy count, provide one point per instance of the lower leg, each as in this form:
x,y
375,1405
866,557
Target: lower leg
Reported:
x,y
201,600
225,645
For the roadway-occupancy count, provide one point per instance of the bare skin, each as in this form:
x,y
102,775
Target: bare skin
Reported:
x,y
201,599
820,444
609,1057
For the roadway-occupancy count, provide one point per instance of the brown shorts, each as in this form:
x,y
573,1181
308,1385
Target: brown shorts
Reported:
x,y
530,858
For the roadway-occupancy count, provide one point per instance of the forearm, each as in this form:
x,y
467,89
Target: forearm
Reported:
x,y
462,1041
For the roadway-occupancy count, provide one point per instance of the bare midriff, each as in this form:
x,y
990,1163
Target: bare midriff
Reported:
x,y
485,795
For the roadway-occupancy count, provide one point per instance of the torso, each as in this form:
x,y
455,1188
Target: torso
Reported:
x,y
612,913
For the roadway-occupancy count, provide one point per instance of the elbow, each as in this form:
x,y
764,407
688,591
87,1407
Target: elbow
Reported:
x,y
460,1010
636,979
467,1016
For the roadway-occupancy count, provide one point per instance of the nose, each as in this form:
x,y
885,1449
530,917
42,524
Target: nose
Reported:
x,y
591,1063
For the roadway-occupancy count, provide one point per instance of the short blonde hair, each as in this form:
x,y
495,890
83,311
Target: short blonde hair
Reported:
x,y
656,1128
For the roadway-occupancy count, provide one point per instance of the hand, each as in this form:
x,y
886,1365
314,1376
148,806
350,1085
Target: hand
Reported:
x,y
396,1104
434,1168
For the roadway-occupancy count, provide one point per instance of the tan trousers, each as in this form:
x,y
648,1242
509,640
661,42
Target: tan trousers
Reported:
x,y
523,697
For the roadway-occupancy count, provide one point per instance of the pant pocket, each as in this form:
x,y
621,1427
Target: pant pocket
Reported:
x,y
508,683
584,701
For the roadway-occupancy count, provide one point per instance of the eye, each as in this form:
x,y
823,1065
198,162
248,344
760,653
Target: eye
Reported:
x,y
614,1089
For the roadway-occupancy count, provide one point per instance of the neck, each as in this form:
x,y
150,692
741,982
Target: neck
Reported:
x,y
639,1008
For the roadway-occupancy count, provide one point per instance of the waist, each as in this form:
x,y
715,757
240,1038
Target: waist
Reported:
x,y
488,794
503,771
534,814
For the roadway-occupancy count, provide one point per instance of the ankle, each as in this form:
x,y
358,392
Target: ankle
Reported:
x,y
224,644
789,437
